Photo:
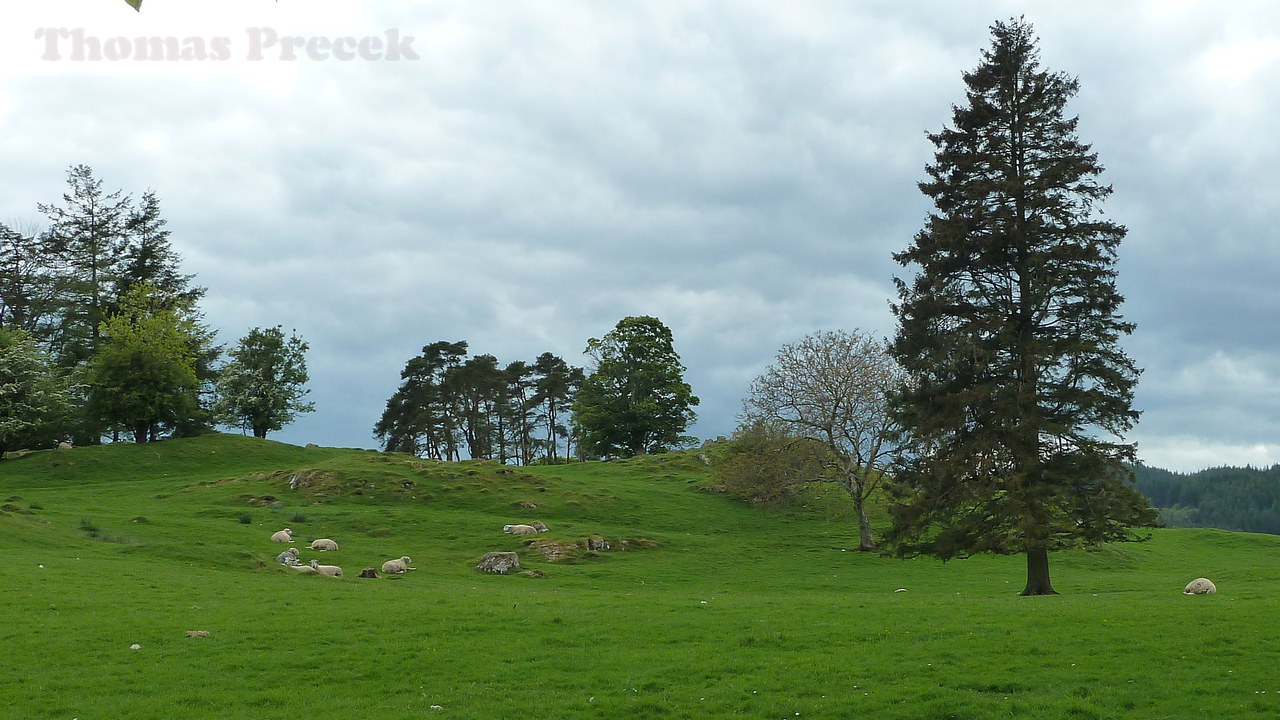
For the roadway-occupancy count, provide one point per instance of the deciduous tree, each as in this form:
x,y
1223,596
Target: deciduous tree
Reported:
x,y
1019,393
830,389
142,379
263,387
636,401
35,395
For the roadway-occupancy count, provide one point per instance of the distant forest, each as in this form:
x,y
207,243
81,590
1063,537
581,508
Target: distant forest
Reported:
x,y
1229,498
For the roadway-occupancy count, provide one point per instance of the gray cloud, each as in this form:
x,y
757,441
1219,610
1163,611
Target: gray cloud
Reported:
x,y
741,170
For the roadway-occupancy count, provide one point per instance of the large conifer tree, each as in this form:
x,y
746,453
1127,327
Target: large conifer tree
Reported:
x,y
1019,394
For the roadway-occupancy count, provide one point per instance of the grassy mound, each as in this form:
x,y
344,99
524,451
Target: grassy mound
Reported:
x,y
710,609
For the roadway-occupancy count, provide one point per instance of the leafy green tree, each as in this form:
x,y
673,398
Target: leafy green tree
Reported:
x,y
636,401
35,395
143,379
262,388
1018,393
831,390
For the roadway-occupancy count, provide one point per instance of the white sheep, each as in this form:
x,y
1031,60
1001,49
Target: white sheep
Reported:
x,y
1200,586
288,557
304,569
520,529
330,570
398,565
323,544
285,535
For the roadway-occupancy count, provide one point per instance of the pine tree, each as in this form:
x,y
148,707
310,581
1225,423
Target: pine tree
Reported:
x,y
1018,394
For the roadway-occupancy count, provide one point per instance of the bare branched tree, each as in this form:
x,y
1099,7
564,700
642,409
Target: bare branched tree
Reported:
x,y
830,389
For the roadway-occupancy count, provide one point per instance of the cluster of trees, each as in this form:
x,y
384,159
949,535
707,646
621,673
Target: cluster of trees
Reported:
x,y
1005,414
1231,498
101,336
449,406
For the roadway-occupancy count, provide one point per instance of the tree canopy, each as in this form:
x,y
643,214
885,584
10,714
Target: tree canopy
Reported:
x,y
1018,392
636,400
263,387
143,377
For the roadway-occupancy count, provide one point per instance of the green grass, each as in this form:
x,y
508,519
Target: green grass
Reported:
x,y
730,612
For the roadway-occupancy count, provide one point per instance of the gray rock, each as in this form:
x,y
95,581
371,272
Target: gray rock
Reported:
x,y
499,562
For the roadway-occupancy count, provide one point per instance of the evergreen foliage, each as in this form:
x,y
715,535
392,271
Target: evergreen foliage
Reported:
x,y
449,406
1018,391
1230,498
636,401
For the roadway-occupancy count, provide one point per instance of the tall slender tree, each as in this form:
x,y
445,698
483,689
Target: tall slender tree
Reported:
x,y
1018,393
553,394
87,230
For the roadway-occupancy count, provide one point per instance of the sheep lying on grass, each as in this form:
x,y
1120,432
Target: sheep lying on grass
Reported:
x,y
288,557
323,544
520,529
330,570
285,535
398,565
304,569
1200,586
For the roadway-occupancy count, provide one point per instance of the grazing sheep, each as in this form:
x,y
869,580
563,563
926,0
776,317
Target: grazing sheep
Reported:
x,y
398,565
520,529
288,557
323,544
1200,586
285,535
330,570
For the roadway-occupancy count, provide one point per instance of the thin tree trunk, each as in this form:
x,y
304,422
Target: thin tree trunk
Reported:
x,y
866,542
1038,573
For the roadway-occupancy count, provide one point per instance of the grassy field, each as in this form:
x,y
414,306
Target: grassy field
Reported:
x,y
715,609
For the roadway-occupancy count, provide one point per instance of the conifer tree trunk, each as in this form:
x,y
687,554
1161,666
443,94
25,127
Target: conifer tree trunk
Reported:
x,y
1038,573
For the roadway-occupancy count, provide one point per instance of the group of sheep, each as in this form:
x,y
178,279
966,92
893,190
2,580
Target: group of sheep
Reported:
x,y
289,557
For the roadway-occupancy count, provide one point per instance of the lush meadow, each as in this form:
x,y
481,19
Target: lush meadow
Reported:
x,y
715,610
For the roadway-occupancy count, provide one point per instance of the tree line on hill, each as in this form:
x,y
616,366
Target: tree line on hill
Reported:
x,y
1230,498
634,401
102,338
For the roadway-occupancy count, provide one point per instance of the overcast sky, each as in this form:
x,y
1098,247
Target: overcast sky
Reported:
x,y
523,175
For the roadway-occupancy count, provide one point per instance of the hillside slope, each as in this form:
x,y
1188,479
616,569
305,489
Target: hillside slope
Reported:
x,y
715,610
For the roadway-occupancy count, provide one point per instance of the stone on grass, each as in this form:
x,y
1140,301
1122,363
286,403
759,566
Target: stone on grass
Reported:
x,y
500,563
